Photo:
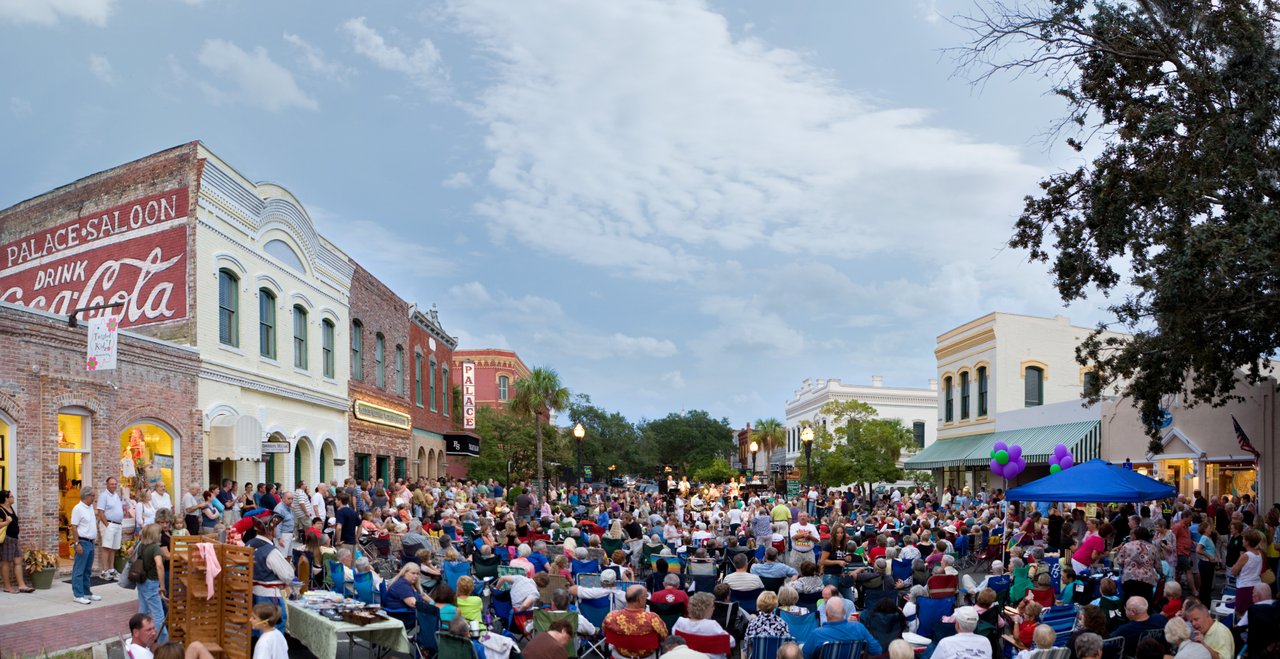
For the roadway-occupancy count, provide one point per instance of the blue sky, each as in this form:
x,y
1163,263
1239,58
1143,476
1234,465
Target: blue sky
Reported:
x,y
677,204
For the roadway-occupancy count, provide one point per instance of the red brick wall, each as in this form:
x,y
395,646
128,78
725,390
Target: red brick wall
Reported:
x,y
379,310
441,420
490,364
42,371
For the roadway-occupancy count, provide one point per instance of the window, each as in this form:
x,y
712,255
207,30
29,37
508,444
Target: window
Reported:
x,y
431,384
917,430
1034,377
357,350
384,468
445,387
400,370
326,344
417,378
379,360
266,323
299,337
362,467
282,251
228,308
1091,383
982,391
402,470
947,413
504,387
964,395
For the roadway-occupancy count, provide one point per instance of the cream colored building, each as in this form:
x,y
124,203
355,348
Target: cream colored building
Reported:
x,y
914,407
273,333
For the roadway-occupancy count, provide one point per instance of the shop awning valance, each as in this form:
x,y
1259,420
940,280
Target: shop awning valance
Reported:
x,y
235,437
1082,438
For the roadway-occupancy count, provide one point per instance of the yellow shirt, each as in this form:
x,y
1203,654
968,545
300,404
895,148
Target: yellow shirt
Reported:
x,y
780,513
1220,641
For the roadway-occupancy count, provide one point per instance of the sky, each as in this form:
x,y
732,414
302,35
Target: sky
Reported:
x,y
677,204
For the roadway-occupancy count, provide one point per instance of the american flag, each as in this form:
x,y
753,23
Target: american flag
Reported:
x,y
1245,444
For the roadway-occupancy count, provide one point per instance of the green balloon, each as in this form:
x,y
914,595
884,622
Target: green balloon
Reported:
x,y
1002,457
1053,469
992,454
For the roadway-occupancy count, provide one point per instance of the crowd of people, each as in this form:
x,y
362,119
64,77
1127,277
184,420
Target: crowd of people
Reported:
x,y
857,565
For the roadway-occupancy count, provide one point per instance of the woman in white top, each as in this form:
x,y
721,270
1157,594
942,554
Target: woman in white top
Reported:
x,y
144,513
1248,571
699,621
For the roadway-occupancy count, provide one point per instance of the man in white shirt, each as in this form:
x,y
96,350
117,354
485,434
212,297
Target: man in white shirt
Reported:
x,y
740,578
317,502
110,514
303,511
804,537
142,633
85,523
965,644
160,498
191,509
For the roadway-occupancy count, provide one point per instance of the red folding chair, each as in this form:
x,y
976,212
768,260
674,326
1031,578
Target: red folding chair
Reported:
x,y
943,585
720,644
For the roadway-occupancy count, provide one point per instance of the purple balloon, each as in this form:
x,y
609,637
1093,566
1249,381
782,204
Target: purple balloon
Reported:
x,y
1001,446
995,467
1053,460
1003,471
1015,452
1066,462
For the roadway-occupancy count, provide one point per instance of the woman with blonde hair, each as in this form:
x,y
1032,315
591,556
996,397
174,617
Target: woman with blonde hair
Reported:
x,y
767,621
151,590
787,598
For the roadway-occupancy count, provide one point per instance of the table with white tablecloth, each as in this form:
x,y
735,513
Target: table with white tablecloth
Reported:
x,y
320,634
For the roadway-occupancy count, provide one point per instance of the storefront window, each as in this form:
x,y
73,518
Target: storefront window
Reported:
x,y
5,451
1230,478
147,457
1175,473
73,469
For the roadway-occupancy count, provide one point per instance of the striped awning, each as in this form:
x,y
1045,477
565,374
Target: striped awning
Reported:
x,y
1082,438
947,452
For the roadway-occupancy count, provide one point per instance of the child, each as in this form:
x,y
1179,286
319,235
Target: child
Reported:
x,y
1027,621
271,645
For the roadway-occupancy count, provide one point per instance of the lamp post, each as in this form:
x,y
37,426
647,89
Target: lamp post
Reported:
x,y
579,432
753,448
806,436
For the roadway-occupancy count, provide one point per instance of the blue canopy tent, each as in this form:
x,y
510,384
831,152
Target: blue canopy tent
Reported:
x,y
1095,481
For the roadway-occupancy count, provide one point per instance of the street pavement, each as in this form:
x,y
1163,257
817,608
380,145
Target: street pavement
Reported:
x,y
47,620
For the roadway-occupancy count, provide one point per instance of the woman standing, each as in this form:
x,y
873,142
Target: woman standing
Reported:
x,y
1139,561
11,548
144,513
1248,571
151,589
1207,551
1092,547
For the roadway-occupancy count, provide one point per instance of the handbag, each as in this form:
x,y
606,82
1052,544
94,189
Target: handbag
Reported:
x,y
1268,577
127,577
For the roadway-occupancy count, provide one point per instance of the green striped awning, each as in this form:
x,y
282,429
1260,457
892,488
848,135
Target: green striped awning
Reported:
x,y
1083,439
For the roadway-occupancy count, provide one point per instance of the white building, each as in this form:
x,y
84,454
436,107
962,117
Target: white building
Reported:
x,y
272,330
915,407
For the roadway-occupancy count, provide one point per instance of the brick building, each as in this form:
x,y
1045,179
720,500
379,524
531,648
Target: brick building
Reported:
x,y
435,408
495,373
62,425
379,426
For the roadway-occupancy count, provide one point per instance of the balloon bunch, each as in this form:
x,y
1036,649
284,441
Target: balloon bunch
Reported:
x,y
1061,459
1006,460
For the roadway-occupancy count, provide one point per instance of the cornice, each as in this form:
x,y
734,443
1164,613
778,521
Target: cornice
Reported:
x,y
340,404
343,303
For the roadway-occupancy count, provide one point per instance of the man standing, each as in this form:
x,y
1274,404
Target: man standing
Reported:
x,y
271,570
85,523
160,498
191,505
284,533
110,513
318,506
226,497
302,510
348,524
804,537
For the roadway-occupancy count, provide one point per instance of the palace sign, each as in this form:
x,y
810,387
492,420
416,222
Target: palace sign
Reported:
x,y
469,395
134,253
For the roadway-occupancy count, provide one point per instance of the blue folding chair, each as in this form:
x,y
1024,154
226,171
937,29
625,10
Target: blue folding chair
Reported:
x,y
931,611
588,580
766,647
841,650
746,599
363,582
800,625
337,582
427,618
590,567
809,600
901,570
1062,619
703,583
1001,585
453,570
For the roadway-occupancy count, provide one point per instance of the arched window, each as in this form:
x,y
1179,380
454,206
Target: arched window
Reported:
x,y
504,387
357,350
431,382
948,414
267,323
299,337
982,391
964,395
379,360
228,308
400,370
1034,382
326,344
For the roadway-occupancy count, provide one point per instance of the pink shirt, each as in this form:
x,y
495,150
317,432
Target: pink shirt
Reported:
x,y
1092,543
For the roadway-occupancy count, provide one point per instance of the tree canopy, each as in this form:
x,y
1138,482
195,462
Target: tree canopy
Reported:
x,y
861,449
538,394
690,439
1175,216
610,439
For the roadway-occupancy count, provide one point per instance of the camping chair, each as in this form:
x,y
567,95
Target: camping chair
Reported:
x,y
703,583
1001,585
452,570
746,599
1021,583
595,610
931,611
1051,653
902,570
669,613
766,647
648,643
449,646
1062,619
586,579
841,650
507,570
708,643
610,545
486,568
592,567
726,613
427,618
1113,648
809,600
542,620
334,577
943,585
363,583
773,583
409,617
554,583
800,625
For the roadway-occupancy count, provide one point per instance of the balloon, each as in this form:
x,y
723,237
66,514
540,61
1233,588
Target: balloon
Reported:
x,y
1001,446
995,466
1002,456
1053,469
1022,464
1015,452
1053,459
1060,450
992,454
1066,462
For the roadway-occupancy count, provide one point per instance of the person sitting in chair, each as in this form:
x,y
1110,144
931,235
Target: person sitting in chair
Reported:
x,y
837,628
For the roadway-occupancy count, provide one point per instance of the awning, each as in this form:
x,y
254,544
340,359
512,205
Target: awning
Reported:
x,y
462,443
235,437
1094,481
1082,438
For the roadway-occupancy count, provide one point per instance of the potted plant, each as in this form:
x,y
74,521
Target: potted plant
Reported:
x,y
40,566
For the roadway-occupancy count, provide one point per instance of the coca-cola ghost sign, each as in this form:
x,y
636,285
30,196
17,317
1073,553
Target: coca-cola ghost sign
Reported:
x,y
134,253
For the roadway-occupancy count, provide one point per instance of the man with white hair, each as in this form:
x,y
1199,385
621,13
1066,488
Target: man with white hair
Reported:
x,y
1135,610
522,559
965,644
1263,622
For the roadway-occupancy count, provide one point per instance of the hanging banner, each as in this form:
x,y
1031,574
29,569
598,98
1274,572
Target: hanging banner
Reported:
x,y
469,395
103,335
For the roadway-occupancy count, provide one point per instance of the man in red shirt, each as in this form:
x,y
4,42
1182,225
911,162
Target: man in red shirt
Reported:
x,y
1182,541
671,592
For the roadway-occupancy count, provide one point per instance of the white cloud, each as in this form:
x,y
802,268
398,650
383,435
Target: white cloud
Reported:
x,y
20,107
49,12
605,346
312,59
469,341
100,67
526,308
423,65
457,180
687,141
673,379
254,78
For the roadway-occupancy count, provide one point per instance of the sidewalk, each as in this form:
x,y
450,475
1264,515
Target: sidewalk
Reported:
x,y
48,621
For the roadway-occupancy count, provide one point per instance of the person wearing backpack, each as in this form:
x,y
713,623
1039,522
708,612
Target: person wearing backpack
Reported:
x,y
147,571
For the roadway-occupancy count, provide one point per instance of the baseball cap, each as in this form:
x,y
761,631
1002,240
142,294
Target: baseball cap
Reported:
x,y
608,576
966,614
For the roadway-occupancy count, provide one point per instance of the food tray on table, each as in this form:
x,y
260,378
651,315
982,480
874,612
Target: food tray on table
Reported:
x,y
361,617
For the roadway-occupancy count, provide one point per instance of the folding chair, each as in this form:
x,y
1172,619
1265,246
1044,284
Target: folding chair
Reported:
x,y
902,570
334,577
1113,648
703,583
809,600
542,620
648,643
363,583
773,583
1000,584
931,611
943,585
427,618
841,650
709,644
610,545
408,616
592,567
554,583
669,613
453,570
454,647
766,647
726,613
486,567
800,625
1052,653
595,610
1062,619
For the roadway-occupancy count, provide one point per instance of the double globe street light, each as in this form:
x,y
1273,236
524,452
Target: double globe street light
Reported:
x,y
806,436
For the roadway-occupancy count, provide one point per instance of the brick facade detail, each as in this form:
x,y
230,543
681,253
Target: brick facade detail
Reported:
x,y
376,310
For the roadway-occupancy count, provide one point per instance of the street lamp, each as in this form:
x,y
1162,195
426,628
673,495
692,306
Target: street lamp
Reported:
x,y
579,432
806,436
753,448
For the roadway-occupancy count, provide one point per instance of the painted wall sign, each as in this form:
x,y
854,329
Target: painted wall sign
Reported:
x,y
381,415
103,341
469,395
134,253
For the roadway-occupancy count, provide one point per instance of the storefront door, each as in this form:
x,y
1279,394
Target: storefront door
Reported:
x,y
73,469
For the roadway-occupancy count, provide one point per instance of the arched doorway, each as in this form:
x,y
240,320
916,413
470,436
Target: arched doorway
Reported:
x,y
421,470
74,460
431,464
326,461
150,453
273,454
302,463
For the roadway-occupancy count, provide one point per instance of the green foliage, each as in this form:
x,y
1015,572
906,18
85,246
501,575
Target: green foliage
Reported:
x,y
691,439
718,471
769,434
610,439
1175,215
862,449
537,395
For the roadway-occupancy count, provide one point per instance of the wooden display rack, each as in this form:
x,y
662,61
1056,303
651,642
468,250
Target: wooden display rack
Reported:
x,y
220,622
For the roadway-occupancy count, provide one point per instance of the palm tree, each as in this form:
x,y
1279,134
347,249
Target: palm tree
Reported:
x,y
539,393
769,434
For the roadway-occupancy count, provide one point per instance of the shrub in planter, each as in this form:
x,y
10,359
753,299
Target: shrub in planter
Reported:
x,y
40,566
